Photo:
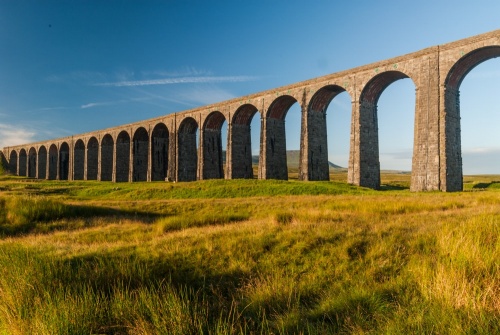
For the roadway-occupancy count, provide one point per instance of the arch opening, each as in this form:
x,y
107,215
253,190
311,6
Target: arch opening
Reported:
x,y
469,141
318,143
64,161
368,136
107,154
241,148
92,159
213,160
122,167
338,120
187,150
79,160
32,162
159,152
42,162
53,158
23,161
13,162
140,153
276,165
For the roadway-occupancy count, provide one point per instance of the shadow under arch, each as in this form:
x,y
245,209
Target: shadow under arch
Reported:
x,y
187,157
122,166
107,154
92,158
32,156
140,154
273,141
213,167
159,152
64,161
13,162
365,163
53,159
451,163
315,162
79,160
23,162
239,160
42,162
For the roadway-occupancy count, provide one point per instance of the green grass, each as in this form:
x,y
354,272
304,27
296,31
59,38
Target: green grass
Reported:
x,y
103,258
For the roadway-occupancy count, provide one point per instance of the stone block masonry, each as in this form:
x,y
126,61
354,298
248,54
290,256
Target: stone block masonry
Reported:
x,y
187,146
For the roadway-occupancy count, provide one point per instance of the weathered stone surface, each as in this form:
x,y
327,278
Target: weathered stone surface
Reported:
x,y
187,145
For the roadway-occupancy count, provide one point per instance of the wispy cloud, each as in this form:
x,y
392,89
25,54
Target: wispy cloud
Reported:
x,y
14,135
205,95
185,72
180,80
111,103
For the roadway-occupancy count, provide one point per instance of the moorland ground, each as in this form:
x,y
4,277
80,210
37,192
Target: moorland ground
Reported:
x,y
248,257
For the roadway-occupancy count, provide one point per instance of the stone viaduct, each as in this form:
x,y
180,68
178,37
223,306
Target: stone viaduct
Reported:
x,y
165,147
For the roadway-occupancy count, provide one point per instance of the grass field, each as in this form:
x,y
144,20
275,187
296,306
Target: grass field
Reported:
x,y
248,257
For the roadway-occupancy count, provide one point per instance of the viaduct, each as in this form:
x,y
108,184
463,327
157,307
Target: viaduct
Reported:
x,y
165,147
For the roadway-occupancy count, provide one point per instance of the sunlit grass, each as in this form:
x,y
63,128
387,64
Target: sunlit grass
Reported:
x,y
342,260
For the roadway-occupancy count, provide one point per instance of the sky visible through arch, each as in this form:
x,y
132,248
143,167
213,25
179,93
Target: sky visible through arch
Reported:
x,y
69,67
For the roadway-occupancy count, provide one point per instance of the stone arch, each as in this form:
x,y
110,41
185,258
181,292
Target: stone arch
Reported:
x,y
92,158
316,144
240,143
53,158
79,160
367,136
13,162
122,167
107,154
213,167
42,162
140,155
23,162
451,169
275,163
32,162
159,152
64,160
187,150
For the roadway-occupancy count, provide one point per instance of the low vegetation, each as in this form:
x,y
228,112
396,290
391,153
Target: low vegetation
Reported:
x,y
248,257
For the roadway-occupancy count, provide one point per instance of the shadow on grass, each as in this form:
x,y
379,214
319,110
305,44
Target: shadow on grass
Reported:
x,y
136,282
393,187
57,216
493,184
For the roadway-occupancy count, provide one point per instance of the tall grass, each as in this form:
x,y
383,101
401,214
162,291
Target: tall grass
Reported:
x,y
358,262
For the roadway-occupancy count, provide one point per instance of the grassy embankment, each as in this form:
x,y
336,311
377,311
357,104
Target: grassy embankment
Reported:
x,y
236,257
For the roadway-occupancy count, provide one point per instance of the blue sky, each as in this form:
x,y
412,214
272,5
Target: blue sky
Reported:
x,y
68,67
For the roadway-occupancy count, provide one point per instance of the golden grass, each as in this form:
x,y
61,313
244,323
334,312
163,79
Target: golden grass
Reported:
x,y
375,262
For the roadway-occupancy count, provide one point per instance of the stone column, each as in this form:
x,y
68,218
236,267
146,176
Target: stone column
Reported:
x,y
425,163
239,160
364,166
451,174
313,146
263,147
99,160
272,158
150,154
115,146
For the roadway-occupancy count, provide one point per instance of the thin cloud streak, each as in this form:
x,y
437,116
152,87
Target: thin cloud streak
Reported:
x,y
13,135
183,80
110,103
